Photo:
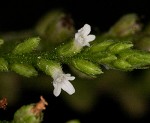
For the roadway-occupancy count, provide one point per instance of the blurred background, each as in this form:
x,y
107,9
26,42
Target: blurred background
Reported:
x,y
114,96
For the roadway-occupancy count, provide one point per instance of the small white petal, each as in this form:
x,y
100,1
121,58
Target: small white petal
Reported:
x,y
69,77
90,38
86,29
68,87
57,89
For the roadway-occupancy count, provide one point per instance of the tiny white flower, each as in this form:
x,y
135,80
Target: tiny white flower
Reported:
x,y
61,81
82,37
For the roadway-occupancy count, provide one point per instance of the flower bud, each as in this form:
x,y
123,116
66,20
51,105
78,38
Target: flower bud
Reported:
x,y
139,60
118,47
3,65
127,25
31,113
27,46
104,57
68,49
86,67
24,69
122,64
101,46
136,58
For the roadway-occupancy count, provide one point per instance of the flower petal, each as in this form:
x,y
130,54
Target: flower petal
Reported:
x,y
68,87
86,29
57,89
90,38
69,77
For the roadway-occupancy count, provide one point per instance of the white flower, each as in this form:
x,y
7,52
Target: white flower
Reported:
x,y
61,81
82,37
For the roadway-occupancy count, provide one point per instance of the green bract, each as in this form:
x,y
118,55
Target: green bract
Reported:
x,y
27,46
24,69
86,67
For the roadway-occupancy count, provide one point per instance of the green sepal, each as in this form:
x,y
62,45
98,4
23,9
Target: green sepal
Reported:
x,y
3,65
101,46
27,46
103,57
68,49
122,64
48,66
24,69
120,46
86,67
136,58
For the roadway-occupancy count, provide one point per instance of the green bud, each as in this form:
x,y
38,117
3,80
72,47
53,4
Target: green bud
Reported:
x,y
24,69
136,58
25,115
55,27
31,113
121,64
86,67
48,66
104,57
127,54
69,49
102,46
27,46
118,47
127,25
3,65
139,61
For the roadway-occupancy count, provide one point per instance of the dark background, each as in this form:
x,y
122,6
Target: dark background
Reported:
x,y
21,14
16,15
